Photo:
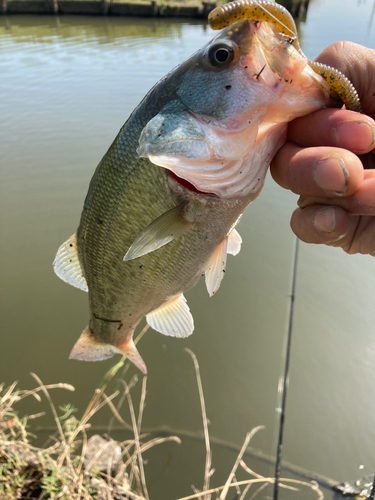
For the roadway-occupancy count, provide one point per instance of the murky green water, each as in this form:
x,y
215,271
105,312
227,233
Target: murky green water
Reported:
x,y
67,85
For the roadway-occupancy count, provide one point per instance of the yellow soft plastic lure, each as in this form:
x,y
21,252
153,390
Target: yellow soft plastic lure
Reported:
x,y
271,12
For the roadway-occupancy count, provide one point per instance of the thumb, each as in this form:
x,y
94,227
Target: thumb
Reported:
x,y
358,64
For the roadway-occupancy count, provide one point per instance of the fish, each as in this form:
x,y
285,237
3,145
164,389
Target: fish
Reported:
x,y
163,205
271,12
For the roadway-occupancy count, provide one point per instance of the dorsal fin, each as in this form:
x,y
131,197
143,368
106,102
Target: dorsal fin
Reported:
x,y
234,242
216,267
161,231
173,318
67,266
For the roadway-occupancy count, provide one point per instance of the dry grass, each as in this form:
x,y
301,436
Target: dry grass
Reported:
x,y
70,470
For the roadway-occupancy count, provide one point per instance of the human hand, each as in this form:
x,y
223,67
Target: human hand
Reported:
x,y
319,162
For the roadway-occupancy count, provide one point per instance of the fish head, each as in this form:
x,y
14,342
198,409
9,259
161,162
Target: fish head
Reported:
x,y
227,114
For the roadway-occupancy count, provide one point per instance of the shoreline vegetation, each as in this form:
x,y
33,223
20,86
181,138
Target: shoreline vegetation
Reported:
x,y
78,467
195,9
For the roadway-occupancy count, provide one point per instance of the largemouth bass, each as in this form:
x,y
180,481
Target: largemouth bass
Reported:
x,y
164,201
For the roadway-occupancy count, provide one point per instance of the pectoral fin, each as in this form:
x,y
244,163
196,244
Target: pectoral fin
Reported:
x,y
173,318
161,231
234,242
216,267
214,273
67,266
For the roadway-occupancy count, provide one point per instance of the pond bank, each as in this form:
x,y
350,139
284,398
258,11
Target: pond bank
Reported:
x,y
190,9
104,7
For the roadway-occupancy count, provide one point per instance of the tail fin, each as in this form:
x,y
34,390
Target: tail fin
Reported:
x,y
88,348
129,350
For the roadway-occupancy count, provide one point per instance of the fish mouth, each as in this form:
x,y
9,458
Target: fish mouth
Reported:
x,y
188,185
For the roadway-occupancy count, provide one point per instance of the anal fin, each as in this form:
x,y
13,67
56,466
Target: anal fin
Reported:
x,y
173,318
67,266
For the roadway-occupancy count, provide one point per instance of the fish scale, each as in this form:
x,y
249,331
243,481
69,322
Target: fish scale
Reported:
x,y
116,287
163,204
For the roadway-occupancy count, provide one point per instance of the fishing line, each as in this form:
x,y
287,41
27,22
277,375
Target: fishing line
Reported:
x,y
284,381
370,25
372,494
274,17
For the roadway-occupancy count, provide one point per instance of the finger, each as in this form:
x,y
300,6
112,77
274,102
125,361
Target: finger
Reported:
x,y
362,202
321,224
357,63
323,171
334,127
334,227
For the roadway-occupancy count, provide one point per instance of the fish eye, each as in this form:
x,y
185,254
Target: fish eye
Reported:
x,y
221,54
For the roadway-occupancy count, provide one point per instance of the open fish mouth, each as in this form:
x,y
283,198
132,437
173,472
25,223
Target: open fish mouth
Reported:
x,y
205,156
221,142
188,185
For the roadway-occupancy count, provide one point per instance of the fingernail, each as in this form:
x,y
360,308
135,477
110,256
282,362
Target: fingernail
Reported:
x,y
355,136
331,175
324,220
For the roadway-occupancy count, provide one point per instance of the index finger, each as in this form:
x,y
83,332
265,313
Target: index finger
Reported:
x,y
334,127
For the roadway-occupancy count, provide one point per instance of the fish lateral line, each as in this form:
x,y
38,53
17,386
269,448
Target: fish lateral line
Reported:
x,y
222,143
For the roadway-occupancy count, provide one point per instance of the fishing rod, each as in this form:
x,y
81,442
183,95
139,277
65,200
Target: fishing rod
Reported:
x,y
286,376
285,384
372,494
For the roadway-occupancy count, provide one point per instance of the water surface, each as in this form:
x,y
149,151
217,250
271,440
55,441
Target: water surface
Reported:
x,y
67,85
